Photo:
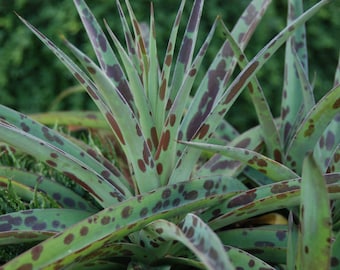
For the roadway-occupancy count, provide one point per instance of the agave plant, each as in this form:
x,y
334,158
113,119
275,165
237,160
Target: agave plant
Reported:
x,y
186,190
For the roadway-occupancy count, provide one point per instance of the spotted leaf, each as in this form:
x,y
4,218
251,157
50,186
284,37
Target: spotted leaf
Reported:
x,y
270,132
312,128
268,243
62,195
297,95
118,221
105,55
267,166
204,127
47,220
263,199
315,214
80,172
197,236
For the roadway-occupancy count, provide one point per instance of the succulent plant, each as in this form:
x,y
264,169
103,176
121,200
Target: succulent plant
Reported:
x,y
185,189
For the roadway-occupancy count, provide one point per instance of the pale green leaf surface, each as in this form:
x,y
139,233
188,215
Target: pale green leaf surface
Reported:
x,y
312,127
269,130
98,187
296,51
197,236
271,168
14,225
133,143
269,242
244,260
204,124
120,220
315,214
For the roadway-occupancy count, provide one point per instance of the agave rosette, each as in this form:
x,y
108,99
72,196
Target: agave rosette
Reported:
x,y
174,207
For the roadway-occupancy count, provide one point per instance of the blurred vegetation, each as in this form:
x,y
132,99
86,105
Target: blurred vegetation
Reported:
x,y
31,77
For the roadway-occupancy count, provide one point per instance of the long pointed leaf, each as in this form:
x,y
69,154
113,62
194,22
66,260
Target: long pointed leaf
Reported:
x,y
270,132
203,126
118,221
105,55
292,90
315,214
269,167
312,128
60,160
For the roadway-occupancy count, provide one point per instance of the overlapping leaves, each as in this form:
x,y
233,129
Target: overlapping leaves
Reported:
x,y
161,138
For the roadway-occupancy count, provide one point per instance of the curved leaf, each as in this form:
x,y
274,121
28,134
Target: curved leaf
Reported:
x,y
197,236
315,216
313,127
120,220
271,168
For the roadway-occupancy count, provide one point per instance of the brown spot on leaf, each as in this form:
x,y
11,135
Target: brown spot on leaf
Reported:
x,y
127,211
203,131
282,187
79,78
310,129
115,127
243,199
26,266
141,165
69,239
105,220
36,252
241,81
162,89
84,230
159,168
154,136
244,143
172,119
336,104
25,127
51,163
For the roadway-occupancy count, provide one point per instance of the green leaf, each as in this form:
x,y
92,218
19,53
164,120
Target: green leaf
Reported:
x,y
104,53
197,236
185,54
335,259
84,119
296,55
202,125
269,130
292,249
133,142
243,260
120,220
166,151
315,216
257,201
224,165
103,191
312,127
271,168
268,243
36,222
29,194
61,194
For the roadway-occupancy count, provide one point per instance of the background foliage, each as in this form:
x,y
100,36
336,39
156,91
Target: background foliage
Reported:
x,y
29,73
